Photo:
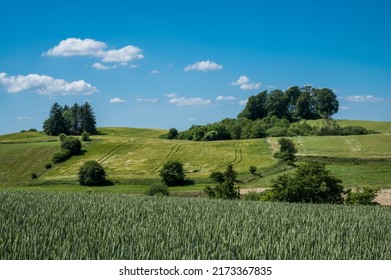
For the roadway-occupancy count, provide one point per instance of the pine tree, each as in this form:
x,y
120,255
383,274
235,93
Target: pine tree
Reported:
x,y
55,124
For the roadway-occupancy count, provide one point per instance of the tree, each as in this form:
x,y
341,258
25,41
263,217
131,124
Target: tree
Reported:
x,y
172,173
87,119
287,150
255,107
172,133
277,104
305,107
292,94
55,124
72,145
311,183
225,188
326,103
92,174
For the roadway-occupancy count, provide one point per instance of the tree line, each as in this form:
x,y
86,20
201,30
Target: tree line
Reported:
x,y
277,113
70,120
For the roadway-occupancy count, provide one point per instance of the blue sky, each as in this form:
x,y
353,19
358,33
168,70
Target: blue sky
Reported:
x,y
162,64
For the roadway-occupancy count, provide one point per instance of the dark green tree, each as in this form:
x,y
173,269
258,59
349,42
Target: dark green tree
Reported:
x,y
287,151
311,183
277,104
225,188
72,145
172,173
305,106
255,107
55,124
326,103
87,119
92,174
292,94
172,133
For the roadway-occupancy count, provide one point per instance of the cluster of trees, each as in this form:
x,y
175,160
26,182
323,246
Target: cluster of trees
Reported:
x,y
270,126
70,120
276,114
295,103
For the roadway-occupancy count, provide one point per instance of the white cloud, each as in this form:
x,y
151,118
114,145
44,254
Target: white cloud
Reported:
x,y
100,66
147,100
183,101
170,95
22,118
90,47
225,98
250,86
77,47
204,66
43,84
344,108
155,72
364,98
117,100
244,83
241,81
243,102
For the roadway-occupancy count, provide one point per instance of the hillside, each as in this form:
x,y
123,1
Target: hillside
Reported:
x,y
133,157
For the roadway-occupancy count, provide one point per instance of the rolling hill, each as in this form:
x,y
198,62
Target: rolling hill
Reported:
x,y
133,157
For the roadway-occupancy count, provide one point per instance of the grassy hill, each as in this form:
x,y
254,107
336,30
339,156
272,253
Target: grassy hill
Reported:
x,y
133,157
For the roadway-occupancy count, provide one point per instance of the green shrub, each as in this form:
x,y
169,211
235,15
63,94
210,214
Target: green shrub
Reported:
x,y
48,165
34,176
311,183
85,136
172,173
252,169
172,133
61,156
158,190
92,174
62,137
254,196
225,189
287,150
363,196
217,176
72,144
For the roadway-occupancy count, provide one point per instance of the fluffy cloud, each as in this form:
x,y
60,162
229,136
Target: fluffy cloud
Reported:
x,y
147,100
183,101
117,100
250,86
90,47
244,83
364,98
243,102
241,81
43,84
170,95
155,72
100,66
204,66
225,98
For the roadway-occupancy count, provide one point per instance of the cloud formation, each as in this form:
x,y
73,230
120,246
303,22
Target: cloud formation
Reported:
x,y
364,98
100,66
243,102
117,100
225,98
192,101
43,84
204,66
155,72
147,100
244,83
93,48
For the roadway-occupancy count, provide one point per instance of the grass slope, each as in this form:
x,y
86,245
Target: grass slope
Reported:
x,y
133,158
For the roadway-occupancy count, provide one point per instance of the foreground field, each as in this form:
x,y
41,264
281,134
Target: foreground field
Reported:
x,y
88,226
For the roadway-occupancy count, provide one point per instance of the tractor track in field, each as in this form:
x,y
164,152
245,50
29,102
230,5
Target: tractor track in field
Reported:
x,y
237,157
174,149
113,151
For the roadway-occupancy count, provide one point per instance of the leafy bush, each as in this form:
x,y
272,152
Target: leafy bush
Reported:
x,y
172,133
85,136
253,196
72,144
287,150
32,130
62,137
252,169
48,165
225,188
92,174
363,196
61,156
311,183
172,173
34,176
158,190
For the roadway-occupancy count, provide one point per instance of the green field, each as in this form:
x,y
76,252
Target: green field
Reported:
x,y
88,226
133,158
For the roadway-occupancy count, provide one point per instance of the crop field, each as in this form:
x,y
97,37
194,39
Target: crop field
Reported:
x,y
88,226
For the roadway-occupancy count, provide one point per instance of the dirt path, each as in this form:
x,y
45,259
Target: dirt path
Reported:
x,y
383,197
